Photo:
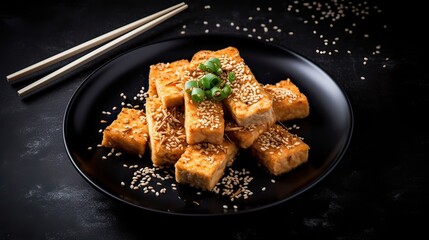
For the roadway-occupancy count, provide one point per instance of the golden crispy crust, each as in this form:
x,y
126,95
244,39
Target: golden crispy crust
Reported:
x,y
288,101
244,137
203,165
279,150
204,121
166,131
165,81
128,132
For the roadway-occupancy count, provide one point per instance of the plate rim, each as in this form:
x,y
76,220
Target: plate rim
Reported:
x,y
308,186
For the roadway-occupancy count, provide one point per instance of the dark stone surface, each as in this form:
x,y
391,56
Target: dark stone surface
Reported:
x,y
379,190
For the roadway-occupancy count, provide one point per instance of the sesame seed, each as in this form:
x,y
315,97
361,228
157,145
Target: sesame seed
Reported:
x,y
234,184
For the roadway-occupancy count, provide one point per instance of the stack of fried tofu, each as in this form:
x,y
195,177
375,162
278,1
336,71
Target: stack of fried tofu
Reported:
x,y
201,139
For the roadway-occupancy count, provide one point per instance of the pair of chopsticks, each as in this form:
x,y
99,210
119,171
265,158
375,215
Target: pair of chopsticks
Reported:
x,y
119,36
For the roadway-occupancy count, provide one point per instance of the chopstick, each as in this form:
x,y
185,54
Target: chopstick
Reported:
x,y
87,45
131,30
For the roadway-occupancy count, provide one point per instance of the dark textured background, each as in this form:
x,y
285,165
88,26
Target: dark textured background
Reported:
x,y
379,190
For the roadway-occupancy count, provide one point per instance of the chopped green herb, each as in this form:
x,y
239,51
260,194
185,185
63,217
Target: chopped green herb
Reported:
x,y
213,85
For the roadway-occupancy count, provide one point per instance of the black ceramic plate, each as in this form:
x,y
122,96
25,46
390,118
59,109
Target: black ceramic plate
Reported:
x,y
327,130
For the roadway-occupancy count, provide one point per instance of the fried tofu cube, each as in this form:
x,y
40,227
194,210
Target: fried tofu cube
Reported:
x,y
288,101
203,165
166,132
248,103
244,137
204,121
129,132
168,81
280,151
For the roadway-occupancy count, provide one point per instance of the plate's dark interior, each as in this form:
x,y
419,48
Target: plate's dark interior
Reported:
x,y
327,130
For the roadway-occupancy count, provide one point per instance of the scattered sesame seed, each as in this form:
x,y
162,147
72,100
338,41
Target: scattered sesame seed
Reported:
x,y
234,184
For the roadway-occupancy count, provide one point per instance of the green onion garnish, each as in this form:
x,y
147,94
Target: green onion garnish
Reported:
x,y
226,90
215,61
208,94
189,85
231,76
208,67
198,95
217,94
209,80
213,85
